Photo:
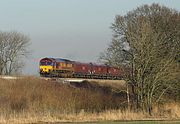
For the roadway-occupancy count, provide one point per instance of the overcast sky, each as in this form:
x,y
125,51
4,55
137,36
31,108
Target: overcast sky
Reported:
x,y
72,29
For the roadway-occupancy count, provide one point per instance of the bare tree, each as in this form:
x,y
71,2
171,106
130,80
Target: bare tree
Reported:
x,y
13,48
148,41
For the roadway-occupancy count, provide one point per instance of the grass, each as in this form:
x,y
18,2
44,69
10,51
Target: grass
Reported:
x,y
30,100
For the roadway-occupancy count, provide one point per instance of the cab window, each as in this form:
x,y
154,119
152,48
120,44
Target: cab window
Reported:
x,y
49,63
43,63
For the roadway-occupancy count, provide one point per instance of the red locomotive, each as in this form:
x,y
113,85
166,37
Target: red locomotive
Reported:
x,y
57,67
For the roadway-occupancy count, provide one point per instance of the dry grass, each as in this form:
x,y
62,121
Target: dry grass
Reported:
x,y
167,110
73,117
115,84
79,117
24,96
29,100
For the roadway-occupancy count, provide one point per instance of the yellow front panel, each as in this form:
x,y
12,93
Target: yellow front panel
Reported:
x,y
46,69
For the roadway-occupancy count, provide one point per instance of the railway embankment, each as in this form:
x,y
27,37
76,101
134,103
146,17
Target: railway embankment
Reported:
x,y
31,100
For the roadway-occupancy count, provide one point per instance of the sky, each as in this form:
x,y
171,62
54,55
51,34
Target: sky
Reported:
x,y
73,29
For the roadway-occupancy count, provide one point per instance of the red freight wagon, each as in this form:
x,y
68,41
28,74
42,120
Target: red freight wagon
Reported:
x,y
81,68
99,70
114,71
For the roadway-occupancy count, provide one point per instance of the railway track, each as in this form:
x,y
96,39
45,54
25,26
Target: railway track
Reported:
x,y
67,80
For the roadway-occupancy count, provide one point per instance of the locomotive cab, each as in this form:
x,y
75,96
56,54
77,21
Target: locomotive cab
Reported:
x,y
55,67
46,66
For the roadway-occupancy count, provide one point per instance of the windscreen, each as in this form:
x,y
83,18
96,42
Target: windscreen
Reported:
x,y
45,62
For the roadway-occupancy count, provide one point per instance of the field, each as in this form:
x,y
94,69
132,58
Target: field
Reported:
x,y
135,122
33,100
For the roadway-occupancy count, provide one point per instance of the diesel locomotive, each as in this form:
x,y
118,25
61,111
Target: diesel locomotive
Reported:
x,y
58,67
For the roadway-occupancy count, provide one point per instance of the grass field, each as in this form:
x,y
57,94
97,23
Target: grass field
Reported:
x,y
134,122
137,122
32,100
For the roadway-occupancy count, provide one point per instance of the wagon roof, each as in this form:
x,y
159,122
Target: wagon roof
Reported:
x,y
83,63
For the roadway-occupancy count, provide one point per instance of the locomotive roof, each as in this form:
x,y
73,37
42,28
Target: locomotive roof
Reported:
x,y
61,60
56,59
